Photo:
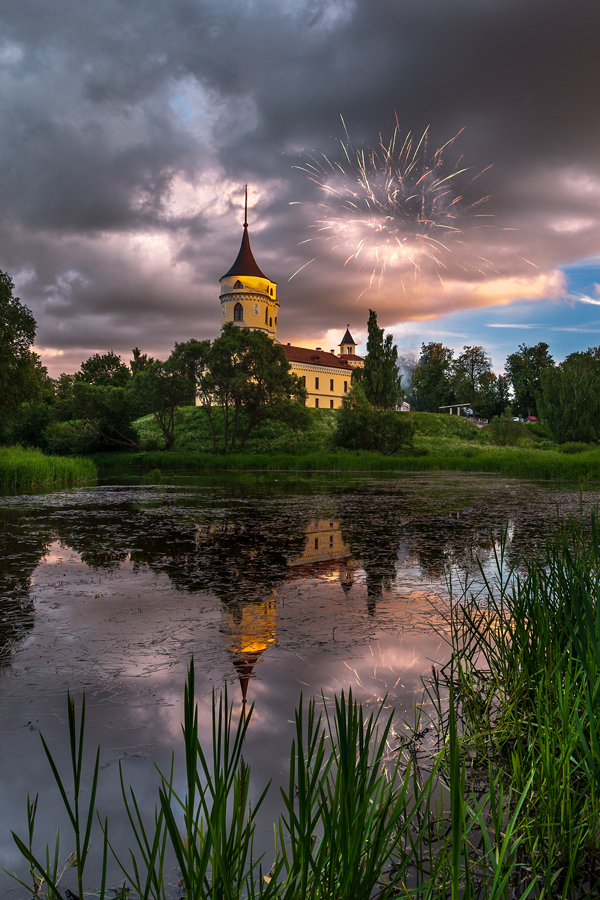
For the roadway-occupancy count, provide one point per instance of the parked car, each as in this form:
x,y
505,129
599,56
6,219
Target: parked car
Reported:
x,y
531,419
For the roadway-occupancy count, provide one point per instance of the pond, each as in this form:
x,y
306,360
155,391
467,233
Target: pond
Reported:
x,y
277,584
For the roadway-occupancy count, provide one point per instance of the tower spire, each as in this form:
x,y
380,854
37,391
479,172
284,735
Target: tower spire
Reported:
x,y
246,208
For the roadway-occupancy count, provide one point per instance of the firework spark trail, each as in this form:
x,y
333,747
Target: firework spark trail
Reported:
x,y
394,204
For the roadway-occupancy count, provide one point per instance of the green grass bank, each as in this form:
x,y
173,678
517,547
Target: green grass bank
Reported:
x,y
441,443
514,462
24,468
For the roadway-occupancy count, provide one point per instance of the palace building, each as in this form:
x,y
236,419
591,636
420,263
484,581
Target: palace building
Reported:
x,y
249,300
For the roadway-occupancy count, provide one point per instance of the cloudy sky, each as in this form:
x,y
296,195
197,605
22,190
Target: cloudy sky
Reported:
x,y
129,129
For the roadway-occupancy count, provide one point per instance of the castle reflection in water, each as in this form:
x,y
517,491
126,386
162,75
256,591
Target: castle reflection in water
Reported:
x,y
250,627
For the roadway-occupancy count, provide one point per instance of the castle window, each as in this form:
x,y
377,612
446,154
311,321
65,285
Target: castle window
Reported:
x,y
331,540
276,320
303,379
266,315
270,323
238,313
316,384
331,384
316,402
238,285
345,387
331,404
316,543
348,349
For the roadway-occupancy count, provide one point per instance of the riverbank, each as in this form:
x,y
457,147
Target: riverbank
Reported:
x,y
525,463
21,467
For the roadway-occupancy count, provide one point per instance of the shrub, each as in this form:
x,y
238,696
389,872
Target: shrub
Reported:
x,y
503,431
575,447
363,427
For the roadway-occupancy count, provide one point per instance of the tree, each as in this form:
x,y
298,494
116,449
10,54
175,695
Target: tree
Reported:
x,y
570,398
104,369
380,378
493,397
22,376
163,386
468,374
431,382
140,362
198,357
103,414
524,370
246,374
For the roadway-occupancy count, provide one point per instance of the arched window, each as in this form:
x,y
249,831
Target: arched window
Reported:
x,y
238,313
266,315
238,285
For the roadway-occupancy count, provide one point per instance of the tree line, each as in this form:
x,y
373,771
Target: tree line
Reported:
x,y
242,379
565,395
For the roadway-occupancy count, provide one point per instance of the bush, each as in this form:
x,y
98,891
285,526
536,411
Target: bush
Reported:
x,y
503,431
363,427
575,447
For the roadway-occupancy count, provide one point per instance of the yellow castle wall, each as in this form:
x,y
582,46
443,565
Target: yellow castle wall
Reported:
x,y
324,393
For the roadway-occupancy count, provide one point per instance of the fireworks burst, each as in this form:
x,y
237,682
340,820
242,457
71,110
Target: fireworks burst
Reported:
x,y
395,204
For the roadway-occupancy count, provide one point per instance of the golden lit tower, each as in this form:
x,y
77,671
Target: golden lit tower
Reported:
x,y
249,298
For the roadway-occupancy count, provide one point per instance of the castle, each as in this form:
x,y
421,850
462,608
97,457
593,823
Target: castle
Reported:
x,y
249,300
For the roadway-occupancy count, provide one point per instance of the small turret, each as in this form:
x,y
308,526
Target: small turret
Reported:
x,y
348,344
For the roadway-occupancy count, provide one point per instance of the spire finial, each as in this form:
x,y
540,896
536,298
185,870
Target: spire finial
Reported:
x,y
246,208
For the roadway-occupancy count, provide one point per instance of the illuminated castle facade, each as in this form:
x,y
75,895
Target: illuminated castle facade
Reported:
x,y
249,300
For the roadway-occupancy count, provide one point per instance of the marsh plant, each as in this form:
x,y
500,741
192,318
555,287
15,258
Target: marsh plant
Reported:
x,y
493,793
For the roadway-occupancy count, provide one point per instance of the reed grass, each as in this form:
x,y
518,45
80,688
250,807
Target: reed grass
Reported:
x,y
505,803
26,467
538,464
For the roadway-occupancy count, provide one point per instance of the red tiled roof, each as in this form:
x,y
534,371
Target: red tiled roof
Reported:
x,y
315,357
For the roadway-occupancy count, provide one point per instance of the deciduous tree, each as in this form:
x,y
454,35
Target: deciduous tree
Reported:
x,y
470,374
431,382
524,371
570,398
22,376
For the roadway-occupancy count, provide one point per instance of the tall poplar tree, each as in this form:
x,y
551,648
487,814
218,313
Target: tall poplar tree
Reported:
x,y
380,379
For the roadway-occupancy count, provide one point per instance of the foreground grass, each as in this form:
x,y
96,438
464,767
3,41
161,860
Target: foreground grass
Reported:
x,y
20,467
503,803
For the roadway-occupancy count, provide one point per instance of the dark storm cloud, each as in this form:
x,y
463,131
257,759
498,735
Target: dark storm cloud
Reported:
x,y
128,128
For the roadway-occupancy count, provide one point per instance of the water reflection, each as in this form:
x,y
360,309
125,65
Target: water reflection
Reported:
x,y
241,541
276,585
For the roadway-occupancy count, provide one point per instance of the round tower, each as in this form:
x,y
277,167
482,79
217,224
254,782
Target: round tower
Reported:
x,y
248,297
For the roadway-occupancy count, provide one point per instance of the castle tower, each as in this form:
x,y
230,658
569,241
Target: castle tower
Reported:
x,y
248,297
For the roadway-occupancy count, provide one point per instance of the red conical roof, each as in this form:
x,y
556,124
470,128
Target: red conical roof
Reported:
x,y
245,264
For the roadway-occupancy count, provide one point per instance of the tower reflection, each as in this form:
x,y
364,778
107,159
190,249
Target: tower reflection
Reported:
x,y
250,626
